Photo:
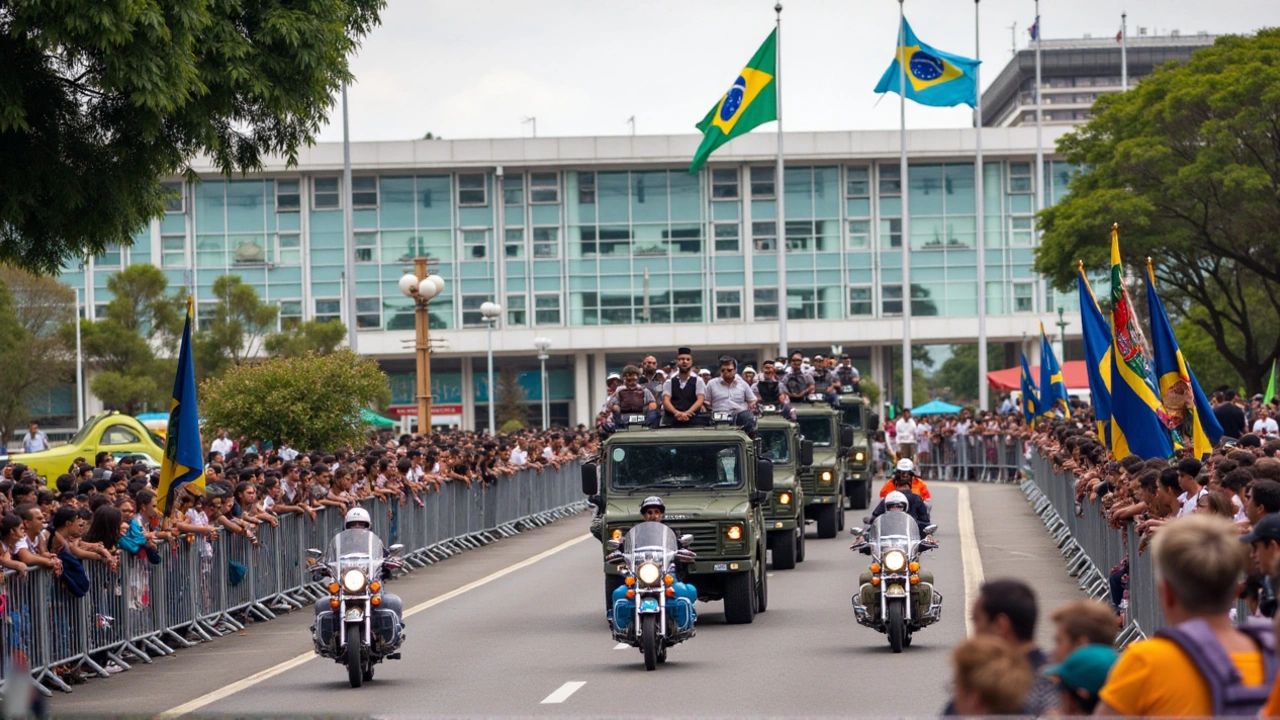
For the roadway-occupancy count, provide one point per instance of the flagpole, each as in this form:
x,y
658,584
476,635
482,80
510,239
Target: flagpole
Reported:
x,y
1039,180
1124,51
779,190
984,396
906,242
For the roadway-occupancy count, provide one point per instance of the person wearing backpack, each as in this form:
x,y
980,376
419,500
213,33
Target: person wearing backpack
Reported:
x,y
1200,665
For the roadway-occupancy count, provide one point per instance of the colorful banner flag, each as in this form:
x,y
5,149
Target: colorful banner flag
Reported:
x,y
933,77
183,462
1030,399
751,101
1097,353
1053,389
1271,385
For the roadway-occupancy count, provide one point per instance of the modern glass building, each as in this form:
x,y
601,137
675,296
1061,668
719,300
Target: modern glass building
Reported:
x,y
608,247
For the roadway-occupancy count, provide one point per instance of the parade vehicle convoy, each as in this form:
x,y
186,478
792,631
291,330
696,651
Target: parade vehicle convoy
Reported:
x,y
823,480
715,486
779,440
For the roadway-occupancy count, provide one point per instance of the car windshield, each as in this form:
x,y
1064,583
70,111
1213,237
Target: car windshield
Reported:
x,y
775,444
83,432
676,466
817,429
853,416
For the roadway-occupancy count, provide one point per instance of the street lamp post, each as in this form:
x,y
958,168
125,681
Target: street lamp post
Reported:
x,y
1062,334
421,286
490,311
543,344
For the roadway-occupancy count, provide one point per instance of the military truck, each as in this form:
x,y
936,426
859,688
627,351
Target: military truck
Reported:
x,y
715,487
857,460
779,440
823,480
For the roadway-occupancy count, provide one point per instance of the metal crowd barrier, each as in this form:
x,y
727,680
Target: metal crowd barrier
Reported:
x,y
201,589
972,458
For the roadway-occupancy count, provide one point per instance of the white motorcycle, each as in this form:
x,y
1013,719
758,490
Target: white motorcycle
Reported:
x,y
896,597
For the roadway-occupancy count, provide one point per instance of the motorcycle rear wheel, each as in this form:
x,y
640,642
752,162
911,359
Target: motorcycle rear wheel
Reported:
x,y
897,625
649,640
355,672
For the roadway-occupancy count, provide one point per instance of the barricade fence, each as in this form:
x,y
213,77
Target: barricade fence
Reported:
x,y
202,589
970,458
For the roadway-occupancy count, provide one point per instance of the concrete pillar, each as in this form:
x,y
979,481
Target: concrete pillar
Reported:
x,y
598,389
469,397
581,392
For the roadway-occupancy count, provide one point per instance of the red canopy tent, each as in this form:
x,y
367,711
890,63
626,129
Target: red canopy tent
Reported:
x,y
1074,374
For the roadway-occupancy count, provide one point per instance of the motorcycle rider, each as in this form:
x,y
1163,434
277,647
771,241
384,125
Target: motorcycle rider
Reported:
x,y
357,518
902,500
908,468
652,509
911,503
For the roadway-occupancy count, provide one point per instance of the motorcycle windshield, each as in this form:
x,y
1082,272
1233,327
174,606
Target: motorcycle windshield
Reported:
x,y
650,541
895,529
355,547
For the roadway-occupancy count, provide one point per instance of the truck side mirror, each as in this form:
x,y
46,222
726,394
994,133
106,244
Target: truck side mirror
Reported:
x,y
846,437
806,453
873,422
590,479
764,474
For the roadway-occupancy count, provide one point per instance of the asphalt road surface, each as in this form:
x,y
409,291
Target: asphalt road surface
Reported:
x,y
518,628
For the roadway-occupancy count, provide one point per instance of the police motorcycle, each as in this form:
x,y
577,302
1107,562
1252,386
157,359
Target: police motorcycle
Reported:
x,y
651,615
896,596
359,624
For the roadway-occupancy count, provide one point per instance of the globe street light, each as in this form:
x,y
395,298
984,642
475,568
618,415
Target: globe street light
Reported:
x,y
543,344
421,287
490,312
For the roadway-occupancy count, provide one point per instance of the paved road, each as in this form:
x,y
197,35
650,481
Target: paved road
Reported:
x,y
508,641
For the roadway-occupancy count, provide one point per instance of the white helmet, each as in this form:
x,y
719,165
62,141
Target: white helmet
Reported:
x,y
905,465
895,498
357,515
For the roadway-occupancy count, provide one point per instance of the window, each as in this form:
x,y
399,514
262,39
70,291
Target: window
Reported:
x,y
248,250
112,256
544,188
724,184
364,192
119,435
327,310
290,314
289,249
173,251
587,188
1023,297
546,309
368,313
765,235
205,312
728,304
513,189
366,247
472,190
762,182
325,195
100,311
890,180
1021,230
546,242
891,299
517,315
475,244
471,316
1020,176
859,185
860,234
891,233
288,199
514,243
860,301
766,303
726,237
176,200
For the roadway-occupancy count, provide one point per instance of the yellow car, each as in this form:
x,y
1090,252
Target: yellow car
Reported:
x,y
110,431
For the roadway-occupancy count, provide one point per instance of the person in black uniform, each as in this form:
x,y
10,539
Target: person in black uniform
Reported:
x,y
684,395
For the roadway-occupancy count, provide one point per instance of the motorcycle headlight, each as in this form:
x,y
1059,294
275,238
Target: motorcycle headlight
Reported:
x,y
784,499
894,561
353,580
648,573
826,476
859,456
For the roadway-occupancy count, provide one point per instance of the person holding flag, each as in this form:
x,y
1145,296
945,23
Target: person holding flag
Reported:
x,y
183,462
1097,352
1053,390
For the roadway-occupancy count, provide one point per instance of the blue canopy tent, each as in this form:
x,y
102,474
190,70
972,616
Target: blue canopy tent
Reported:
x,y
936,407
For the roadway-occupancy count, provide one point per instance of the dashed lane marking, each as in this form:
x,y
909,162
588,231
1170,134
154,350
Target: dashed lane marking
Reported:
x,y
563,693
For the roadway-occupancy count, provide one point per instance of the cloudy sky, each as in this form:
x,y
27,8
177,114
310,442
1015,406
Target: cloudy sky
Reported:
x,y
476,68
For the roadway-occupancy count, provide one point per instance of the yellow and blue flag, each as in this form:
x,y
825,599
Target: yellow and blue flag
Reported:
x,y
1053,389
1171,369
183,462
1097,353
1137,415
933,77
752,101
1030,399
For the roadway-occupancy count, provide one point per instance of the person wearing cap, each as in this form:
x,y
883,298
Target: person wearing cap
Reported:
x,y
749,375
825,380
1264,549
1080,678
684,394
633,399
652,509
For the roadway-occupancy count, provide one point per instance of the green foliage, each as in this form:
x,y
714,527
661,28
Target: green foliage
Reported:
x,y
919,384
313,336
510,397
1201,353
312,401
959,374
511,426
99,100
870,390
1187,162
139,304
33,355
235,328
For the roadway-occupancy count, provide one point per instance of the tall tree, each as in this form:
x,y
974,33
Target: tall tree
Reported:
x,y
139,304
510,410
959,373
100,100
33,355
313,336
1188,163
235,329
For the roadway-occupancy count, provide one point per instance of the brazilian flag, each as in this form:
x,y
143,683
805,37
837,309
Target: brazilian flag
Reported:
x,y
750,103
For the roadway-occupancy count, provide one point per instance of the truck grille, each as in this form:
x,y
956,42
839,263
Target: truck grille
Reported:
x,y
812,487
705,540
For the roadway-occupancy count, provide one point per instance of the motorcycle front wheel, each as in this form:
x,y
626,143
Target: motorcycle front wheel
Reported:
x,y
649,640
355,672
897,625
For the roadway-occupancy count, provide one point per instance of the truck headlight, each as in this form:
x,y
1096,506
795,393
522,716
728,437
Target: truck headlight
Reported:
x,y
353,580
648,573
894,561
734,532
825,476
784,499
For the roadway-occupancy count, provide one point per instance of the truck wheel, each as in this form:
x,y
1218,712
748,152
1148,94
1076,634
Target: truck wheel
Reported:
x,y
861,497
762,590
840,516
784,551
800,543
827,521
739,599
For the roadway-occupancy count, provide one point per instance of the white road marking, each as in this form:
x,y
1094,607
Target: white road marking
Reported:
x,y
970,557
246,683
563,693
769,574
621,646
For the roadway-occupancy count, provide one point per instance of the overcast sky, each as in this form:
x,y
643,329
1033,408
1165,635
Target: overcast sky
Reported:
x,y
475,68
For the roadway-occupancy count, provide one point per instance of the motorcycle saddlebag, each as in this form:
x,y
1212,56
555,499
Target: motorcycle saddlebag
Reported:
x,y
384,628
327,632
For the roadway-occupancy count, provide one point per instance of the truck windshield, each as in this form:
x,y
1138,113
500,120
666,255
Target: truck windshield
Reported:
x,y
853,416
676,466
817,429
775,444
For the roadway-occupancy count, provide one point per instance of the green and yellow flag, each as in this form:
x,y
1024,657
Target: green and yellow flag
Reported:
x,y
750,103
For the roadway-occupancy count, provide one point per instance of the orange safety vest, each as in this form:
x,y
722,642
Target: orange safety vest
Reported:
x,y
917,486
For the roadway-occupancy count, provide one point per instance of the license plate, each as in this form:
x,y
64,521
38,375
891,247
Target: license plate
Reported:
x,y
648,605
354,613
721,567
